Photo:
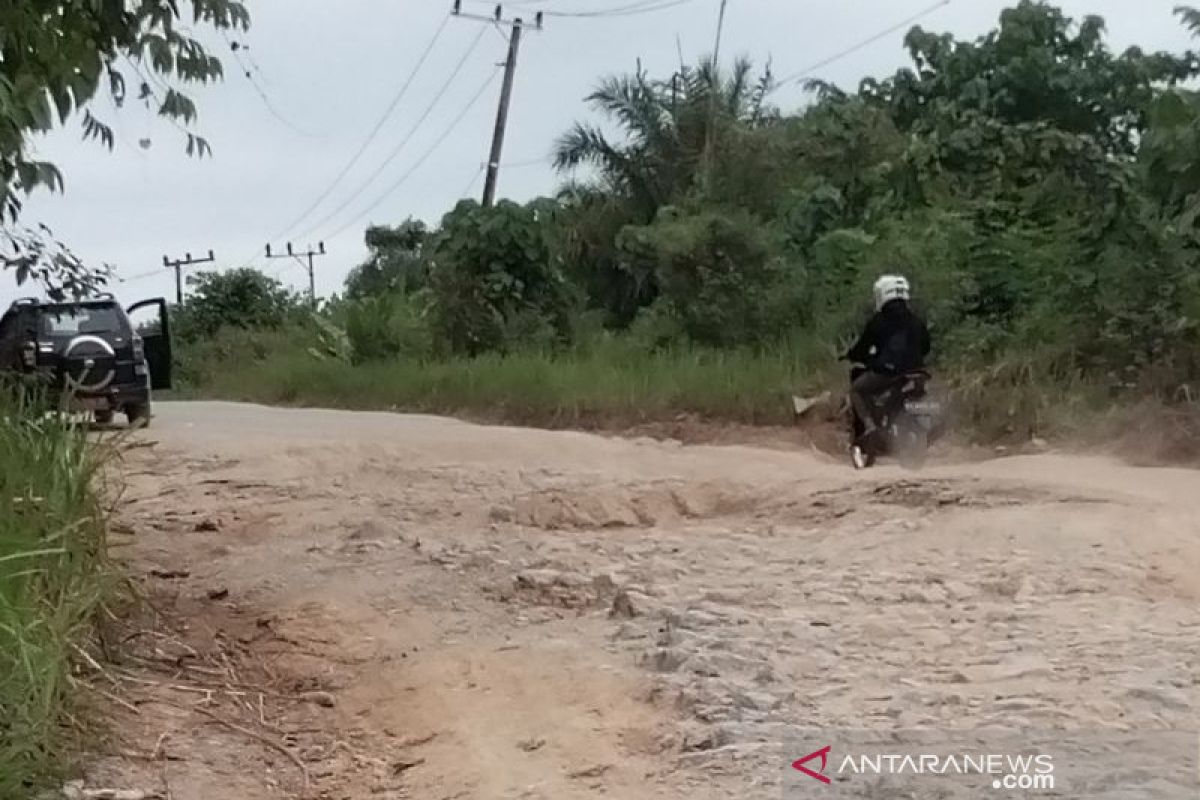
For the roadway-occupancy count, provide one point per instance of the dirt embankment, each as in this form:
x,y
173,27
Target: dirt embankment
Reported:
x,y
378,606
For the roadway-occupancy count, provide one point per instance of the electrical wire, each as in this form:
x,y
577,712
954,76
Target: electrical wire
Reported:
x,y
532,162
627,10
807,71
466,192
235,48
141,276
630,10
437,142
387,114
408,137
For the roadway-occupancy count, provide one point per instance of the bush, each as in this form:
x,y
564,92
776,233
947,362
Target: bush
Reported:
x,y
240,298
717,276
493,279
388,326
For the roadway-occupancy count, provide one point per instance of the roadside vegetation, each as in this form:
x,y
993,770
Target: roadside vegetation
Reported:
x,y
53,580
56,60
710,253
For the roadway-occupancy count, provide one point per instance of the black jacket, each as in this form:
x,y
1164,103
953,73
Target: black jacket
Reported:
x,y
895,341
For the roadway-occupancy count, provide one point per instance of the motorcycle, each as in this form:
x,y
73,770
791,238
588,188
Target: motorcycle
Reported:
x,y
907,420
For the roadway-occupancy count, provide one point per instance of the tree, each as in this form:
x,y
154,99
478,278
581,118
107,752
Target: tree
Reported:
x,y
396,262
1171,141
239,298
1038,66
55,56
665,126
718,277
494,278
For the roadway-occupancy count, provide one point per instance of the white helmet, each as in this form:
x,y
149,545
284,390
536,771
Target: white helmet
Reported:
x,y
890,287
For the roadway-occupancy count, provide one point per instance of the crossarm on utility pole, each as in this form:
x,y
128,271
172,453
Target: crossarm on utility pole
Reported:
x,y
178,264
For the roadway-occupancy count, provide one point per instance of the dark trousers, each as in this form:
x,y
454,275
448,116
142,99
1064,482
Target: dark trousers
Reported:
x,y
863,391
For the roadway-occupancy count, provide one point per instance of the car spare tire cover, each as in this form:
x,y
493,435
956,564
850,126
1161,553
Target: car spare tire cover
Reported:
x,y
89,364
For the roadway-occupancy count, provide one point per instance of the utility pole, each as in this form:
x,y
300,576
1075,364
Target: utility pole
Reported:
x,y
310,254
510,68
713,89
178,265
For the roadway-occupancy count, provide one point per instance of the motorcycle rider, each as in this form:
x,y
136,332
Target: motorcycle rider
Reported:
x,y
894,342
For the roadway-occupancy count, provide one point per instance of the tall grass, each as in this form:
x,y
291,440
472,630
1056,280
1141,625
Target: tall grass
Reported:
x,y
609,382
51,584
619,380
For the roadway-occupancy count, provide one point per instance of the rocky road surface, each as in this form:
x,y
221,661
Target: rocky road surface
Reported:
x,y
383,606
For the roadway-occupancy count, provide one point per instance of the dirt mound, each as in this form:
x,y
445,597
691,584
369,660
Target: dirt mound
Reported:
x,y
625,507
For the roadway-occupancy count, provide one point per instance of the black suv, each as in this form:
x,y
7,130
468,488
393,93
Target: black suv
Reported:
x,y
92,352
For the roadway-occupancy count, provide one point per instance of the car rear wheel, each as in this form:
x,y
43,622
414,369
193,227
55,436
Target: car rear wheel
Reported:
x,y
138,415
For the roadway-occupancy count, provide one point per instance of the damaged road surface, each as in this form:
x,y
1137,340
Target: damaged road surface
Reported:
x,y
382,606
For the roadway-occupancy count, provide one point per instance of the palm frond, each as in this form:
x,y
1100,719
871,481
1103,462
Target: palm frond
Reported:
x,y
1190,17
581,144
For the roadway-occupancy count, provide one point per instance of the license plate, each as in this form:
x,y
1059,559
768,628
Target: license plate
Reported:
x,y
923,408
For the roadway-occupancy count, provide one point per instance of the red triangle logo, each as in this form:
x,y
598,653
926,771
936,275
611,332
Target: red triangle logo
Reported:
x,y
822,754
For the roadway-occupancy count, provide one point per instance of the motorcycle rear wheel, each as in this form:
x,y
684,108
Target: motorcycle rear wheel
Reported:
x,y
910,443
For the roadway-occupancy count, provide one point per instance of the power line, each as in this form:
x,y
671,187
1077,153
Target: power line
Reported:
x,y
633,9
236,48
530,162
474,180
141,276
408,137
627,10
804,73
374,131
437,142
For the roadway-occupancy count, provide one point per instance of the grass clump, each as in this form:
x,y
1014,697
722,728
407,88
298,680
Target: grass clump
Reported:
x,y
52,582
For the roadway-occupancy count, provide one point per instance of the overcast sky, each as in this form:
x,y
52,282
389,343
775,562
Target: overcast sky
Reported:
x,y
329,70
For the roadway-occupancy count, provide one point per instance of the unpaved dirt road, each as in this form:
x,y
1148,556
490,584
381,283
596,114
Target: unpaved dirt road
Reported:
x,y
386,606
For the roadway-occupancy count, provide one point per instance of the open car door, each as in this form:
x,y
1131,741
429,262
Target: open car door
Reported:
x,y
152,322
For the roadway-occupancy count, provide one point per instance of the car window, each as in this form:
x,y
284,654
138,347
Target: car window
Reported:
x,y
79,320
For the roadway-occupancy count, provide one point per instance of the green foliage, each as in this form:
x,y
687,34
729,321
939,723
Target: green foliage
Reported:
x,y
388,326
240,298
716,276
52,582
611,381
1040,190
1038,66
495,280
396,262
55,57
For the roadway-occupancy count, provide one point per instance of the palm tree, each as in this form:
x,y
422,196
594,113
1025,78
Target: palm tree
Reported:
x,y
665,127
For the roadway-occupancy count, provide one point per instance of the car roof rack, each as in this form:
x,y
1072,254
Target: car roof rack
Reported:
x,y
26,301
